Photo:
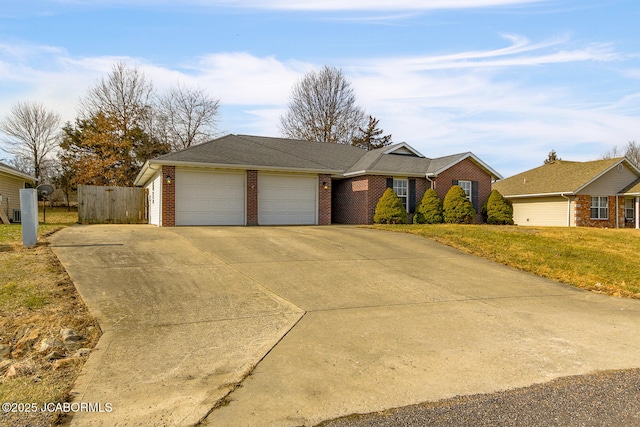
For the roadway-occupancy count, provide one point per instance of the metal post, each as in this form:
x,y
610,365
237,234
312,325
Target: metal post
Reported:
x,y
29,210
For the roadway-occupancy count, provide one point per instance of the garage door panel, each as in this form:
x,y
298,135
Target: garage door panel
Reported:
x,y
287,199
547,211
210,198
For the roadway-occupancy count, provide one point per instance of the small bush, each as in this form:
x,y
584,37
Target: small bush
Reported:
x,y
429,211
499,210
390,210
457,209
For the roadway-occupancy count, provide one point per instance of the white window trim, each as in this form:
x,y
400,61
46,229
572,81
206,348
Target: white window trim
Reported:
x,y
598,207
470,193
404,199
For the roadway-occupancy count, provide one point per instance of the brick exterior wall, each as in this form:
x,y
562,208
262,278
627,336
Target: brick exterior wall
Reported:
x,y
355,199
466,170
168,196
346,201
583,213
324,199
377,187
252,197
350,200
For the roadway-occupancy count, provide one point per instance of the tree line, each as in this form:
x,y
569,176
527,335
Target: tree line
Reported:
x,y
122,121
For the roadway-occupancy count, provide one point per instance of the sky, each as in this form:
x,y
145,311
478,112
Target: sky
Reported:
x,y
509,80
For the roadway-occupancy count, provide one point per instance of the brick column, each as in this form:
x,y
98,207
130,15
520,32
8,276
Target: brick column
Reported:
x,y
324,199
168,196
252,197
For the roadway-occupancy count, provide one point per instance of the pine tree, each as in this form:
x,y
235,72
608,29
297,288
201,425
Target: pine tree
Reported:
x,y
552,157
370,138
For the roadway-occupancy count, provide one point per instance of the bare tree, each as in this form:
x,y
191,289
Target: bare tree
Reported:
x,y
631,152
188,116
323,108
125,96
113,136
32,134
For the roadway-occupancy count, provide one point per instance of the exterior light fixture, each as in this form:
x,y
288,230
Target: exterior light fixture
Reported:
x,y
169,179
325,185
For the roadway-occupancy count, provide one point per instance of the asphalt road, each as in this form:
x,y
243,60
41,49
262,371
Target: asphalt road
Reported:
x,y
610,398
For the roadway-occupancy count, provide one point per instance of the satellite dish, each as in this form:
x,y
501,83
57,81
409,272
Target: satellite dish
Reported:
x,y
44,190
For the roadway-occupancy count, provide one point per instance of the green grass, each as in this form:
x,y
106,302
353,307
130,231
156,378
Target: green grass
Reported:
x,y
56,218
21,287
37,294
601,260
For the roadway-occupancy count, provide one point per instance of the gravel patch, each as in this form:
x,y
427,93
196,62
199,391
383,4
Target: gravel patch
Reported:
x,y
610,398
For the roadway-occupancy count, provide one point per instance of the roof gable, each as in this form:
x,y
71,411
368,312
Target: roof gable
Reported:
x,y
558,177
402,148
441,164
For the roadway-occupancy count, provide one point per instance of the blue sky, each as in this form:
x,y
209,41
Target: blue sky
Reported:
x,y
506,79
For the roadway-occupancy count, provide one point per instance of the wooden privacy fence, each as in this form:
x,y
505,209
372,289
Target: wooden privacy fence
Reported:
x,y
111,205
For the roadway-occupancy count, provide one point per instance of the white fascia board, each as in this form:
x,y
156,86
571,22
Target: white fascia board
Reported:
x,y
403,145
390,173
524,196
473,157
243,167
147,172
624,159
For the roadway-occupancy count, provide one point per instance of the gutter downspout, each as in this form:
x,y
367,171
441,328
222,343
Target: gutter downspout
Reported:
x,y
430,181
637,213
568,209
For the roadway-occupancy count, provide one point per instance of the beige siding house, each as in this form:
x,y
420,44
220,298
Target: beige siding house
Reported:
x,y
601,193
11,181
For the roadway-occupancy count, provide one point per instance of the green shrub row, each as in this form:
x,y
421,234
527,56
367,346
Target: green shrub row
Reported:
x,y
456,209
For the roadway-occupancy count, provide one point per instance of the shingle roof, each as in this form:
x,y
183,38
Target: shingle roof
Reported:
x,y
632,189
558,177
376,161
266,153
246,150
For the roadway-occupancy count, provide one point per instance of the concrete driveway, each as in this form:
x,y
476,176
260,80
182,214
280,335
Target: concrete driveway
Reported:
x,y
290,326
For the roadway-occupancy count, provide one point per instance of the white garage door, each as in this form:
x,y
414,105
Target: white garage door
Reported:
x,y
287,199
545,211
210,198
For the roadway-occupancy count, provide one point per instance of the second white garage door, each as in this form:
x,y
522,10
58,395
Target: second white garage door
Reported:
x,y
210,198
287,199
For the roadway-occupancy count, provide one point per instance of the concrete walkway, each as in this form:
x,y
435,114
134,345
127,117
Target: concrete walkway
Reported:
x,y
383,320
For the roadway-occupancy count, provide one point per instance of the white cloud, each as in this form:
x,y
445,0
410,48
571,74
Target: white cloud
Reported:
x,y
440,104
372,4
322,5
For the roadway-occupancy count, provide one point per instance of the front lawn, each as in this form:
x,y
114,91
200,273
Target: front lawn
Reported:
x,y
600,260
37,300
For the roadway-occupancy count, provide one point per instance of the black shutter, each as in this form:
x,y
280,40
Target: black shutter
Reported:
x,y
455,182
474,195
390,183
412,195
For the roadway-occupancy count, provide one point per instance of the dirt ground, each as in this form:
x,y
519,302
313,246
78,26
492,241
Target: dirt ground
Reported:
x,y
38,365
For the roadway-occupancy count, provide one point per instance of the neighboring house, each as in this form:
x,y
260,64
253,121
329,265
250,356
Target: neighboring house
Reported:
x,y
11,181
252,180
601,193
